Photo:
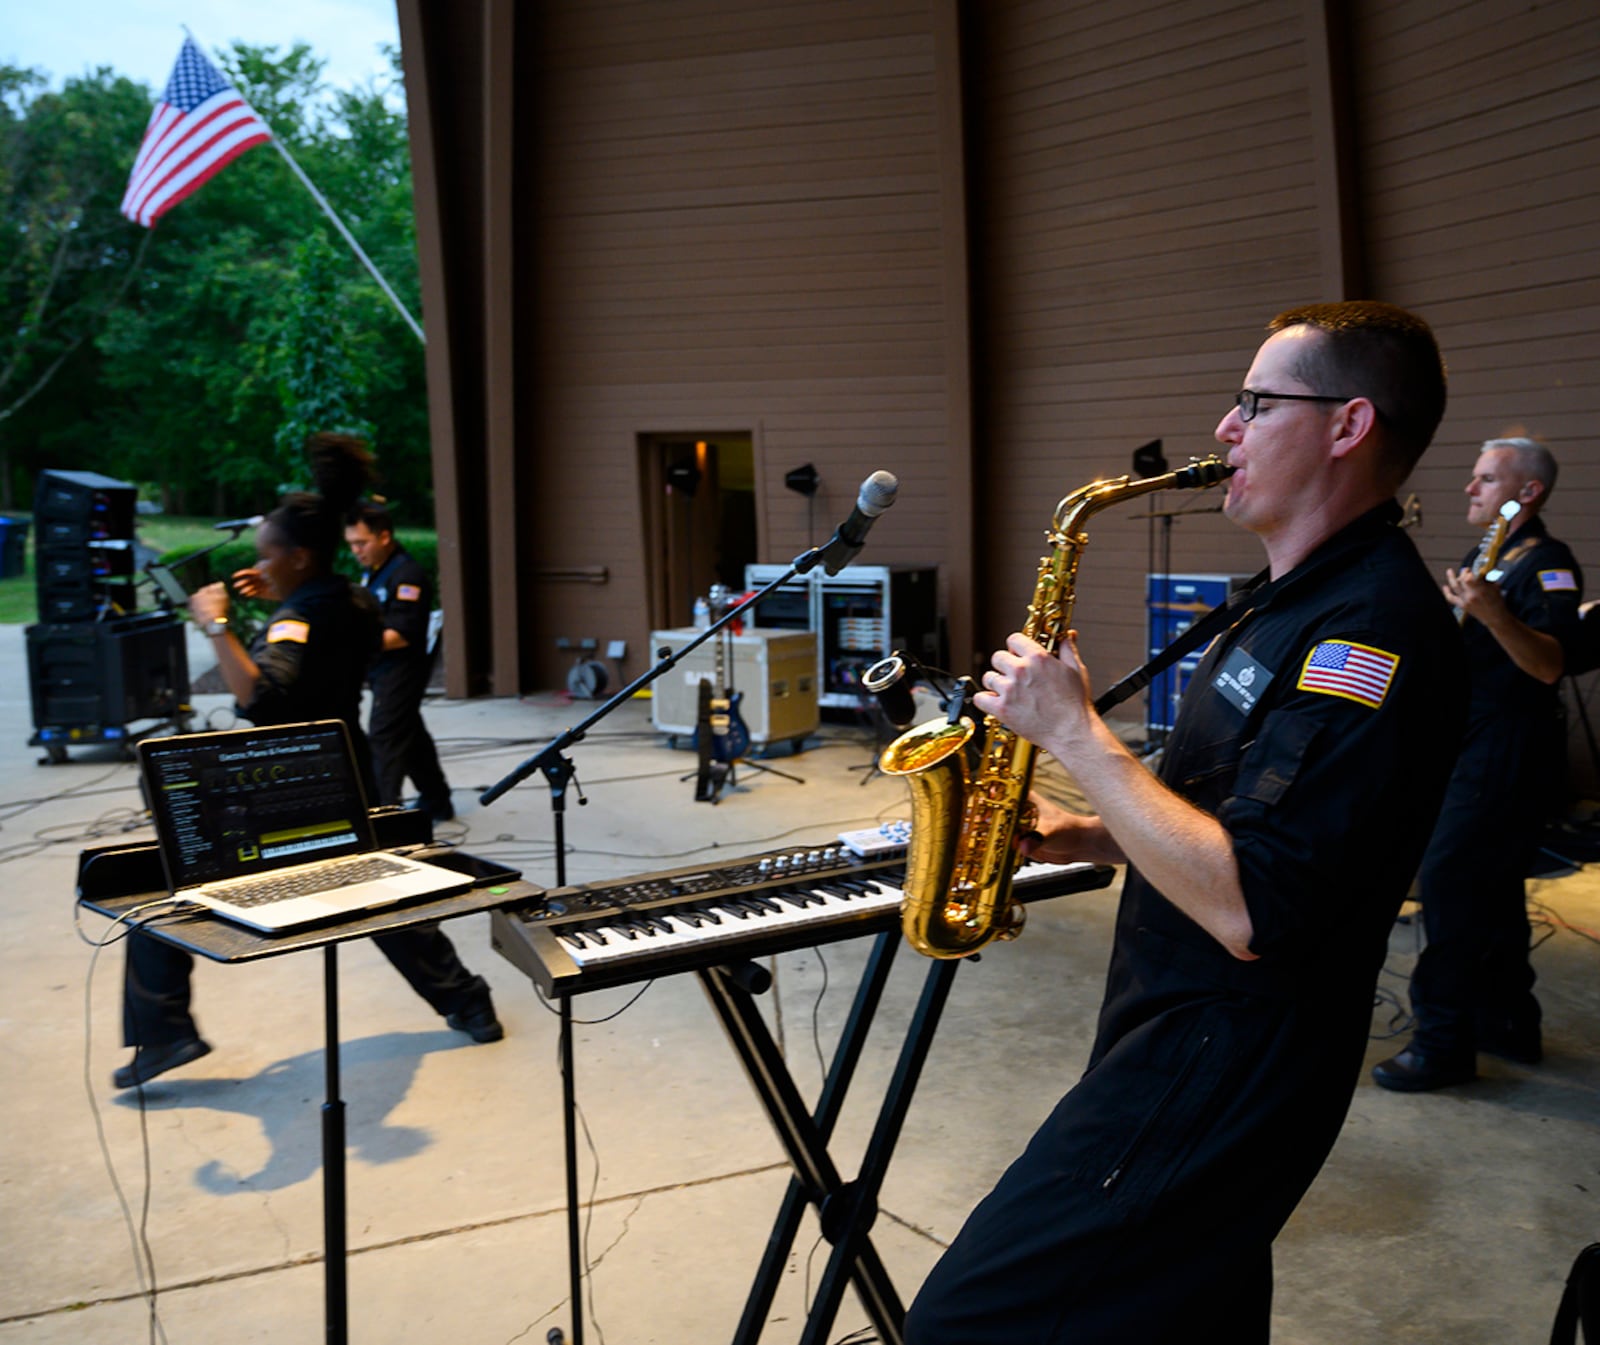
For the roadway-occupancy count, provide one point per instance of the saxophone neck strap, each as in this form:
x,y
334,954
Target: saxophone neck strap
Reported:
x,y
1199,633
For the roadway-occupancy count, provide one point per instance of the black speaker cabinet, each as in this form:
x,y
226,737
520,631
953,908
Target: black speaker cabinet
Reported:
x,y
90,679
72,508
83,546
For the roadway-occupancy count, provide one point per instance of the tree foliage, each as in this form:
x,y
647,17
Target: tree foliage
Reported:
x,y
198,367
66,254
320,385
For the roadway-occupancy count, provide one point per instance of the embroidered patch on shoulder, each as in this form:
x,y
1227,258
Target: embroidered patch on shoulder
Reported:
x,y
297,631
1558,581
1358,672
408,592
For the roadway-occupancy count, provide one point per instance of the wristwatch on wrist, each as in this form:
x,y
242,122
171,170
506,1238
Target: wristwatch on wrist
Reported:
x,y
216,626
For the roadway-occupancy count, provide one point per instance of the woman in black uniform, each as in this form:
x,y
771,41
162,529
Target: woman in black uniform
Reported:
x,y
309,663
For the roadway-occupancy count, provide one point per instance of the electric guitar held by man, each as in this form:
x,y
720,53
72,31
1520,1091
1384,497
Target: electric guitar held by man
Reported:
x,y
1494,540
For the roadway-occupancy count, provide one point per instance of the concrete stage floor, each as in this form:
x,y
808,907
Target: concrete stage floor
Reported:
x,y
1451,1217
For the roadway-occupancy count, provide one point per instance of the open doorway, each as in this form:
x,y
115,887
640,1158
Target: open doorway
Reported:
x,y
699,512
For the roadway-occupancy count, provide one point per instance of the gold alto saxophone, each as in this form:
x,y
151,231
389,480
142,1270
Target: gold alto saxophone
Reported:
x,y
962,855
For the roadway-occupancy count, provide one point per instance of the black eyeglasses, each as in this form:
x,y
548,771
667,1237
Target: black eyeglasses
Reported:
x,y
1249,400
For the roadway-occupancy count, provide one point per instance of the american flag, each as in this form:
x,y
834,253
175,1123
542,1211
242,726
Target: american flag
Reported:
x,y
1356,671
199,126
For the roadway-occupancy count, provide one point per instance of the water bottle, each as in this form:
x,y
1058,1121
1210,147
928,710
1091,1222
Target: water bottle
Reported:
x,y
702,614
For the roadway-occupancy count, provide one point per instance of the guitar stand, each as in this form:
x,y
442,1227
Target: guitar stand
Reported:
x,y
846,1210
729,777
760,766
872,769
884,732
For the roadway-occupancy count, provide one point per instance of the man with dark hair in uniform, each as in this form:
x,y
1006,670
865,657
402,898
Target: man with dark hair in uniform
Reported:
x,y
1267,863
1472,988
401,743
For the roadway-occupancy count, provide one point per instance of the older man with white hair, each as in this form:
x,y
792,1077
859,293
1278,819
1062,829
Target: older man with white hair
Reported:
x,y
1472,989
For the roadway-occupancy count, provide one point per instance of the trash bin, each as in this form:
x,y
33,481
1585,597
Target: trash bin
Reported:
x,y
13,547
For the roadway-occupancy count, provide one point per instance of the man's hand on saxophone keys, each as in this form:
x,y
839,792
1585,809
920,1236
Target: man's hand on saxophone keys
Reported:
x,y
1042,697
1045,698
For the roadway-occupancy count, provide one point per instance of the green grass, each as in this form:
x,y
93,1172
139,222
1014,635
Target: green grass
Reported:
x,y
162,533
17,604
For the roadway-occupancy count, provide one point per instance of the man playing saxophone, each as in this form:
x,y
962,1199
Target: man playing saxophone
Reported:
x,y
1267,862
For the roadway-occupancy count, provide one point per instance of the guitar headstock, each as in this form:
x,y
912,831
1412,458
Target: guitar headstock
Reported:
x,y
1495,540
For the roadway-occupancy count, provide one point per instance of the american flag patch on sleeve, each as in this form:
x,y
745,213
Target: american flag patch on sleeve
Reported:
x,y
1358,672
297,631
1558,581
408,592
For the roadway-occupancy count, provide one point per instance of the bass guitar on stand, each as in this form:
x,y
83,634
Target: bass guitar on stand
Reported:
x,y
721,736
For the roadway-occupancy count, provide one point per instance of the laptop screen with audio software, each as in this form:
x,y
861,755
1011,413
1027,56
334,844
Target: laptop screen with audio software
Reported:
x,y
248,801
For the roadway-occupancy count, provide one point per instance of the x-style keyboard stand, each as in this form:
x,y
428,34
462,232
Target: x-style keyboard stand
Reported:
x,y
847,1210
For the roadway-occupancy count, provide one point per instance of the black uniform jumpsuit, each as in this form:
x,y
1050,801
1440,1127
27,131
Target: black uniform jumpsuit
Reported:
x,y
401,743
1320,731
1473,980
312,658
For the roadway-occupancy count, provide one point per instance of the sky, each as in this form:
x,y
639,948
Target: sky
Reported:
x,y
140,38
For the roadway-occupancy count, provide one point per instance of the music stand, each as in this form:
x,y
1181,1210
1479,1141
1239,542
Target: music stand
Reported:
x,y
115,880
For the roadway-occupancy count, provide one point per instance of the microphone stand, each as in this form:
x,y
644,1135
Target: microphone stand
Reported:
x,y
558,770
152,566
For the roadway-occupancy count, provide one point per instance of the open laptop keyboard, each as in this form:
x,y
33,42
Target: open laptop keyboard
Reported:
x,y
307,882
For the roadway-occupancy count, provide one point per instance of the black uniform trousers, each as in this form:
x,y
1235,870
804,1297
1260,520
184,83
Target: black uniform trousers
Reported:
x,y
1144,1208
155,1009
1474,978
401,743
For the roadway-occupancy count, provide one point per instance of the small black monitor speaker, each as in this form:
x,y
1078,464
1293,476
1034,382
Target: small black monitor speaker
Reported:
x,y
1148,459
802,479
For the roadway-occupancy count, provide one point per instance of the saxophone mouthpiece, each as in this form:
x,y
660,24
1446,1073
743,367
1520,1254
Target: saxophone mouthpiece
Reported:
x,y
1200,474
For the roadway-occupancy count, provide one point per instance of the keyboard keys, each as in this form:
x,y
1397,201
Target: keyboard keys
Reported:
x,y
732,917
293,883
745,918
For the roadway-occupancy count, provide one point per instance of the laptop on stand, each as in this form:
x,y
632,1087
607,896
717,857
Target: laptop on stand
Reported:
x,y
268,827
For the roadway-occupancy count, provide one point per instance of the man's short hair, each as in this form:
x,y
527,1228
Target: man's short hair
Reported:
x,y
1535,462
376,516
1384,353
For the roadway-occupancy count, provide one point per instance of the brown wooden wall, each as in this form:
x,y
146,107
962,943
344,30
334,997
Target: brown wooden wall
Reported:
x,y
1145,210
1480,150
993,247
727,218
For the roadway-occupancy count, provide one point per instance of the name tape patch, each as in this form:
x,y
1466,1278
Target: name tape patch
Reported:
x,y
1241,680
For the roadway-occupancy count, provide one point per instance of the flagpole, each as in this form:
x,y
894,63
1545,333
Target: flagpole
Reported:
x,y
333,215
355,247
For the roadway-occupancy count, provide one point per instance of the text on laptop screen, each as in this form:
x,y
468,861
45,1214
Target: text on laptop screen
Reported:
x,y
254,800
